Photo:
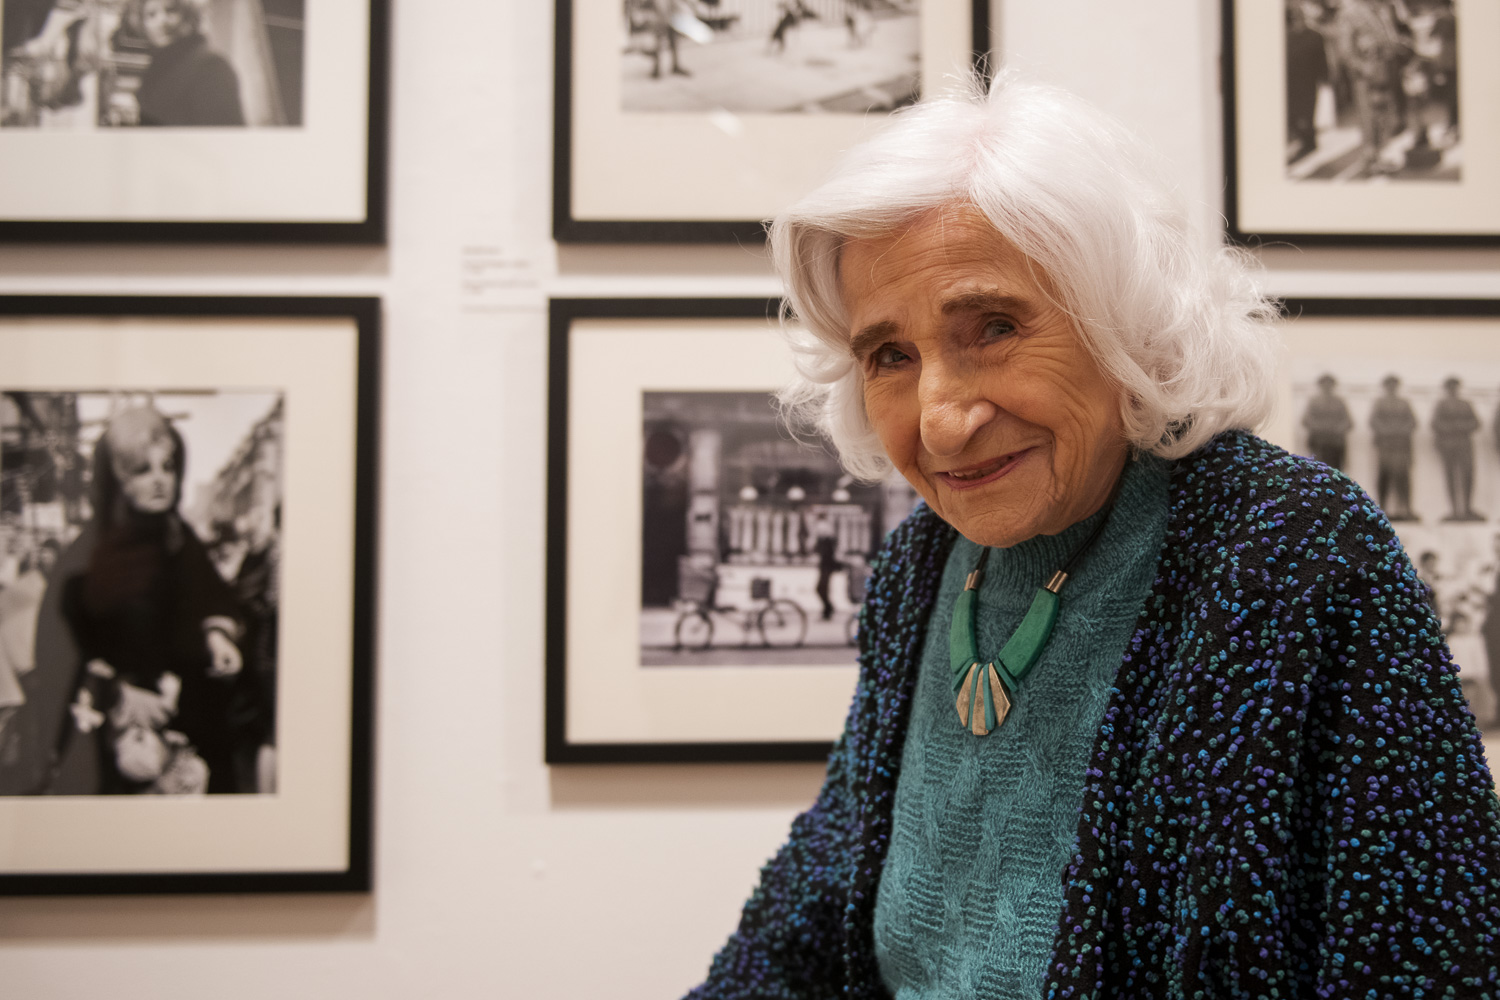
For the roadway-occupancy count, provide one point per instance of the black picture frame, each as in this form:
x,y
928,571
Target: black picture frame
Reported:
x,y
337,152
607,363
172,348
572,224
1280,192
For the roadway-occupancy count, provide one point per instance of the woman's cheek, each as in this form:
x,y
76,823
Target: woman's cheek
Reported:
x,y
886,411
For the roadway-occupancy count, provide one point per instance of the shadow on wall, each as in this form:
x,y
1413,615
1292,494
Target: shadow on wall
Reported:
x,y
676,786
114,919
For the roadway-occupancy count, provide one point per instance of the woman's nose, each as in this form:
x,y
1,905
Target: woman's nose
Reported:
x,y
952,410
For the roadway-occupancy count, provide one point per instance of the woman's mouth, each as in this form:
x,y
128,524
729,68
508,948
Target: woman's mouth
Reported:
x,y
984,472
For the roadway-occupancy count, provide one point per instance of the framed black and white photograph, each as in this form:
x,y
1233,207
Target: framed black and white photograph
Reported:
x,y
186,587
706,567
193,120
693,120
1403,396
1361,122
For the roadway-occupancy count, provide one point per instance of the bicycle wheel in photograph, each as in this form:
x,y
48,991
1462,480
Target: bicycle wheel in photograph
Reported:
x,y
782,623
695,630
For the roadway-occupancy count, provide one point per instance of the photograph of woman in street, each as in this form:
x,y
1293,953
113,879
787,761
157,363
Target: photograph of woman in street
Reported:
x,y
149,672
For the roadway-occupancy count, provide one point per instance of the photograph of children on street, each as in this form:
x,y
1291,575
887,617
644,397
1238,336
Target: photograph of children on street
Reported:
x,y
1372,90
816,56
755,546
139,583
89,64
1424,441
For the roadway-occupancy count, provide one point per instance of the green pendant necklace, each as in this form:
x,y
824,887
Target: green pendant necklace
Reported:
x,y
985,693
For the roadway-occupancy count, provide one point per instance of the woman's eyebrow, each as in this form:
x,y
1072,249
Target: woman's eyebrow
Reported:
x,y
871,337
983,301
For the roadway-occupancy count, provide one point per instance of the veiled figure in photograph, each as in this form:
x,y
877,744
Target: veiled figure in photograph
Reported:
x,y
1372,90
85,64
143,643
137,655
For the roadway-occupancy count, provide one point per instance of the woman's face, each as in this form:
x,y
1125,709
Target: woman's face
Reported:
x,y
161,20
976,381
150,483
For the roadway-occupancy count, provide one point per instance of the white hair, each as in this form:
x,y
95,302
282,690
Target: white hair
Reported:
x,y
1176,321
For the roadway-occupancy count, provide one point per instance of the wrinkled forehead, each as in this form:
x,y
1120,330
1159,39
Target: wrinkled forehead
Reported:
x,y
954,250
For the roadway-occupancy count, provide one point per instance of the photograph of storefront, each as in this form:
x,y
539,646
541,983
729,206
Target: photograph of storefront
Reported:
x,y
755,545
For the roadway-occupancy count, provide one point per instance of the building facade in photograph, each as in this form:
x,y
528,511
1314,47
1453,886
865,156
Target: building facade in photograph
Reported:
x,y
249,485
731,498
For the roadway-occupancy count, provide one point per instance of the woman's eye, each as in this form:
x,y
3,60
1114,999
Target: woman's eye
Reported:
x,y
887,355
996,328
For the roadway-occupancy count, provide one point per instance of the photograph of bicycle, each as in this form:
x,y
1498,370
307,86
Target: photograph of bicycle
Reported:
x,y
755,546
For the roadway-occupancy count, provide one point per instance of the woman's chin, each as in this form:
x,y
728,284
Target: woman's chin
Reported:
x,y
1001,513
996,529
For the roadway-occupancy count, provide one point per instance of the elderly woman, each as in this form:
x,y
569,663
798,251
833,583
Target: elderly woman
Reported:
x,y
1147,706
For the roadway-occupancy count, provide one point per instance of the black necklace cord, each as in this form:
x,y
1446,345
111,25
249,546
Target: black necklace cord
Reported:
x,y
1093,535
1058,578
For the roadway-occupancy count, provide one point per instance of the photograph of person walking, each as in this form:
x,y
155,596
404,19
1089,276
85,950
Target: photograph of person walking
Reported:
x,y
783,56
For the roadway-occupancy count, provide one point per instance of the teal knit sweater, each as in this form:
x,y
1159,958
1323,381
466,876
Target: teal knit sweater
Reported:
x,y
984,826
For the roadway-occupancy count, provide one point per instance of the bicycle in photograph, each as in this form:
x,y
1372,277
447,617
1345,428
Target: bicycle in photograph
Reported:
x,y
776,621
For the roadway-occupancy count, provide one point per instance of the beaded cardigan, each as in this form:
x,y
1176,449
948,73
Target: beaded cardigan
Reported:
x,y
1288,796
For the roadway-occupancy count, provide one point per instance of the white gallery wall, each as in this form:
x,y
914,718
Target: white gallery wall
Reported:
x,y
497,876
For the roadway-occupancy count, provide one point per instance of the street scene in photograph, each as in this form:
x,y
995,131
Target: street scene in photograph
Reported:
x,y
813,56
755,546
1372,90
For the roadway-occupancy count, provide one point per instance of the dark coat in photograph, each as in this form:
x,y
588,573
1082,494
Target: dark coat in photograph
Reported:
x,y
131,601
136,596
189,84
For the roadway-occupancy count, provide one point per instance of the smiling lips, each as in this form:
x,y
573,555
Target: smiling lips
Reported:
x,y
985,472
